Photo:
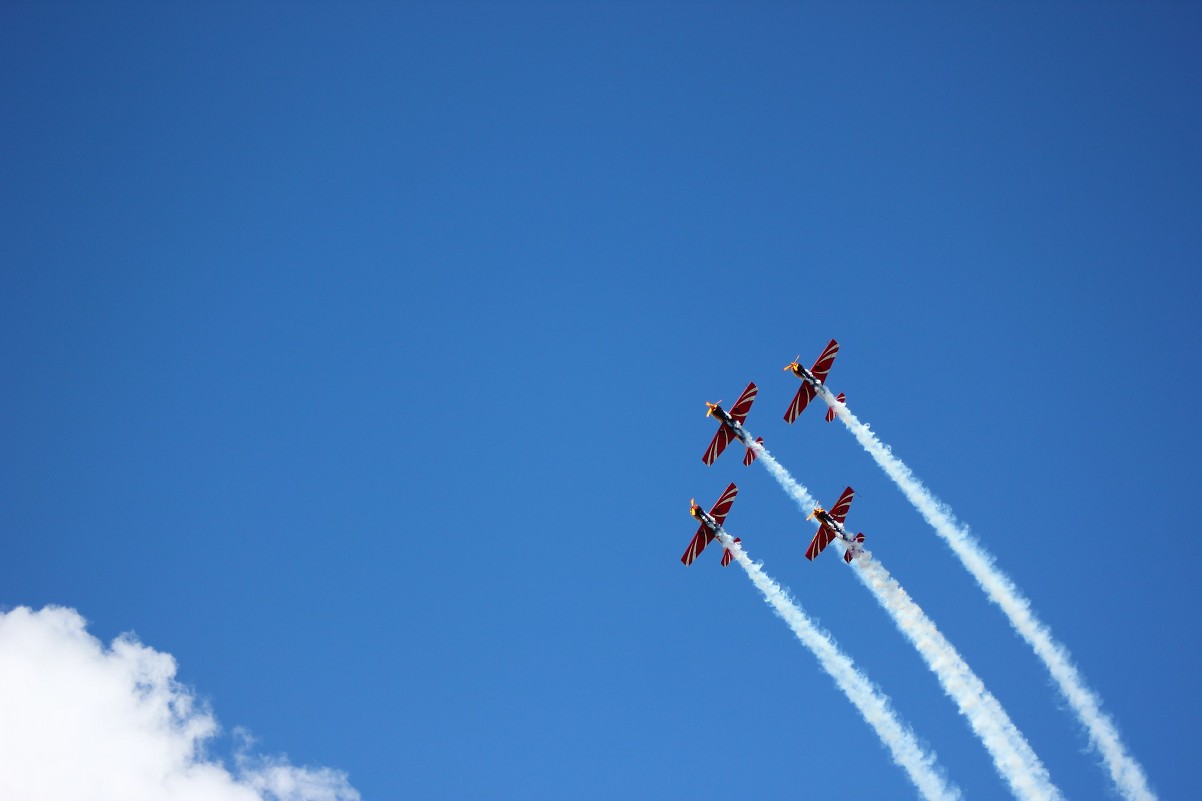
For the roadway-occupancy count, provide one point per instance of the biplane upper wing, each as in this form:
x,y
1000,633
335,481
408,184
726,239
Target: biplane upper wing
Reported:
x,y
722,506
823,366
718,444
742,406
843,505
702,538
805,394
821,540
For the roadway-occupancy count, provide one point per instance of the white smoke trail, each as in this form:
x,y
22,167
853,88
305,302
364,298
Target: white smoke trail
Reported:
x,y
1012,756
796,491
1126,773
872,704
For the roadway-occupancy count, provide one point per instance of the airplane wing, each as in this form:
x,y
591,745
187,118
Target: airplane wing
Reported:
x,y
722,505
718,444
742,406
804,395
823,366
841,507
702,538
821,540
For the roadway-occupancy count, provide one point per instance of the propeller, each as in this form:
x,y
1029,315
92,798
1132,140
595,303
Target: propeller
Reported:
x,y
817,509
793,364
711,408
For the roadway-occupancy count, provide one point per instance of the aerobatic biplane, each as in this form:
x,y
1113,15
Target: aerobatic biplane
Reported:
x,y
832,526
710,522
730,426
811,380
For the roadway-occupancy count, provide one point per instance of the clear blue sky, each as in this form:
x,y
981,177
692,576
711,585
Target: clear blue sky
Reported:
x,y
355,355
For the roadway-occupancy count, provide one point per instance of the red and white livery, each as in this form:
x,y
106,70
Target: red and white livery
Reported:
x,y
830,410
710,522
811,381
731,426
832,526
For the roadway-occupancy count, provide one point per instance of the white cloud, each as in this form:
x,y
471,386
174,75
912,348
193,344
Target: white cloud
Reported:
x,y
81,721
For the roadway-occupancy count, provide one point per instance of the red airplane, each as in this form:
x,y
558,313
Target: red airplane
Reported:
x,y
731,426
832,526
811,381
710,523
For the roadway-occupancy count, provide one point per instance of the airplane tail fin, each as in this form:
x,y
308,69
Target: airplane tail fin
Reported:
x,y
727,555
750,457
847,555
830,411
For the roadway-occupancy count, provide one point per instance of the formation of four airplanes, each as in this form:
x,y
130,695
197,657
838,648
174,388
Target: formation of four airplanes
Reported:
x,y
731,427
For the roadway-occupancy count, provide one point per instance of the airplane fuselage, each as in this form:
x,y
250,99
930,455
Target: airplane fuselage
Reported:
x,y
824,517
723,417
728,421
704,518
839,530
807,376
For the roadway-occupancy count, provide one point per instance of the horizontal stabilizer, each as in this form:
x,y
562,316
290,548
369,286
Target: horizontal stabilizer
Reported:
x,y
728,554
830,412
750,457
849,553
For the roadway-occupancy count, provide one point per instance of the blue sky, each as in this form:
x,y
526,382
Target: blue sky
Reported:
x,y
355,355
